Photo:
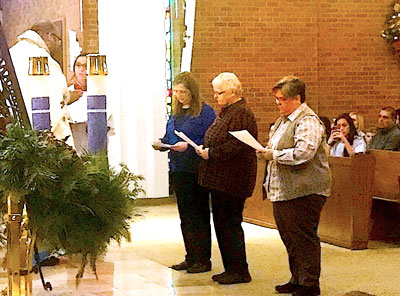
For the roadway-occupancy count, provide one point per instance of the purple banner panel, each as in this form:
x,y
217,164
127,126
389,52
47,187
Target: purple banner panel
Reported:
x,y
97,124
41,113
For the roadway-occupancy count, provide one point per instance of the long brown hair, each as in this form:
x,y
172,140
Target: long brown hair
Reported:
x,y
352,132
196,104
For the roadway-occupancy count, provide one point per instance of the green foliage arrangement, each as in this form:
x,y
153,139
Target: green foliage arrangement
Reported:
x,y
391,31
78,204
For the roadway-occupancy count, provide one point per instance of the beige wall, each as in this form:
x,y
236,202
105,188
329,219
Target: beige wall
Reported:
x,y
20,15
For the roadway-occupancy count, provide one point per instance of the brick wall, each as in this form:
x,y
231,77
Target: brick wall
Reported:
x,y
90,26
334,46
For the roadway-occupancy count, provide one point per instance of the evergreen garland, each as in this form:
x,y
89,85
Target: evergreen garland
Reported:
x,y
78,204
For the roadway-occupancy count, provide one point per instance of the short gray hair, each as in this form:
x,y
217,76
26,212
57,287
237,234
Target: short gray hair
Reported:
x,y
229,81
290,87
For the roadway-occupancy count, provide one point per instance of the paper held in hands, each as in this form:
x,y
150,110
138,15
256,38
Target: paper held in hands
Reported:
x,y
186,139
161,146
247,138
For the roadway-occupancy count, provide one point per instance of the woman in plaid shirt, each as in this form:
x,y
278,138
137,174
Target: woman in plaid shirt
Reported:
x,y
228,171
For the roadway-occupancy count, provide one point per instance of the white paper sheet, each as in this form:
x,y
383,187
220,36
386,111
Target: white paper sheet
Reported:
x,y
162,145
247,138
186,139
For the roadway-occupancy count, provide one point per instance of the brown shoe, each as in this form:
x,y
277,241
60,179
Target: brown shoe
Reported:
x,y
182,266
287,288
234,278
198,268
307,291
217,277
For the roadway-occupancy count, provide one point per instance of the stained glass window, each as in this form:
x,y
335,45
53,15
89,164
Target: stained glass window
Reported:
x,y
168,56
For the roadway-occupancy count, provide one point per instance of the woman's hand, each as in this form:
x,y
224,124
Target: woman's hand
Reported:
x,y
180,146
75,95
265,153
202,152
335,136
157,145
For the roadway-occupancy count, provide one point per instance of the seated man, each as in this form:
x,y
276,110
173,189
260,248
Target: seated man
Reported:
x,y
388,135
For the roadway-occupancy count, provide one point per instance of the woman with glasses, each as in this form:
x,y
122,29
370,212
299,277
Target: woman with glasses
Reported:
x,y
191,116
228,171
77,106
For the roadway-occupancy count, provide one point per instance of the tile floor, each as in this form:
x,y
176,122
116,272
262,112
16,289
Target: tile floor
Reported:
x,y
140,268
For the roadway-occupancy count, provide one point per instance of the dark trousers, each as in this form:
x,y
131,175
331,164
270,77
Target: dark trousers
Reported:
x,y
297,221
194,212
227,213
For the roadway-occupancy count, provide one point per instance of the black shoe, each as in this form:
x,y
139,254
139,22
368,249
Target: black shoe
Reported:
x,y
307,291
198,268
182,266
287,288
234,278
217,277
50,261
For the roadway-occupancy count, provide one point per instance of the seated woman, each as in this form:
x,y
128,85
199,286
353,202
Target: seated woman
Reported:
x,y
344,140
358,121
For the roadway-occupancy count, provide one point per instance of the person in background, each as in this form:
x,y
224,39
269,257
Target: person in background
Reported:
x,y
327,124
43,40
191,116
388,134
344,139
79,78
369,134
358,121
297,183
228,170
77,106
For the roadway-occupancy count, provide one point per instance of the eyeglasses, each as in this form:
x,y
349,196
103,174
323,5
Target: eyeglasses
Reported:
x,y
219,93
80,65
179,92
280,99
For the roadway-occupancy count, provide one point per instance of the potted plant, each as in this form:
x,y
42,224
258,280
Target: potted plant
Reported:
x,y
78,204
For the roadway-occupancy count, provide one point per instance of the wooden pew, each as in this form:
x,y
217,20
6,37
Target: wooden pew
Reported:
x,y
345,219
386,196
387,175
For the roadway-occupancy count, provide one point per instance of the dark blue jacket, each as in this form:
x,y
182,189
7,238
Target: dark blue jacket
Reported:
x,y
194,128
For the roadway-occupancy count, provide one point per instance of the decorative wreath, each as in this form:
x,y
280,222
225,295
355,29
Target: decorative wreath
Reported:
x,y
391,31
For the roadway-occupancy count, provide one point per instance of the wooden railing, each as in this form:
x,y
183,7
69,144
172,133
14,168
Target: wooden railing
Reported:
x,y
346,217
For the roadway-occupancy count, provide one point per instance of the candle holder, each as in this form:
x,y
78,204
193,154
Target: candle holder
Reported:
x,y
97,103
39,72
